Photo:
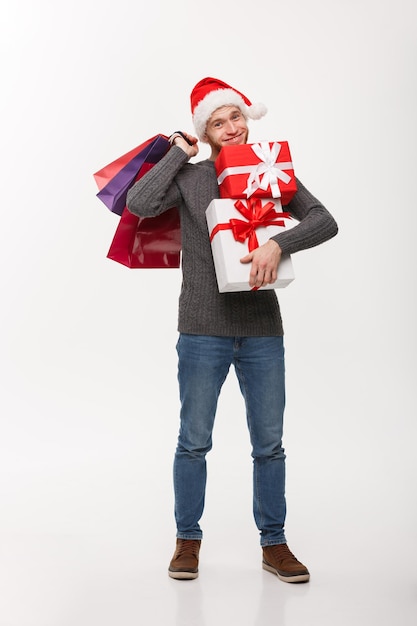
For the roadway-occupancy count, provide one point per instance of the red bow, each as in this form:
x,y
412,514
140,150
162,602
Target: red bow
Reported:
x,y
256,216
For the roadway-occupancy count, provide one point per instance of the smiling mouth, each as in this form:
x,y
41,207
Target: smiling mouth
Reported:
x,y
234,139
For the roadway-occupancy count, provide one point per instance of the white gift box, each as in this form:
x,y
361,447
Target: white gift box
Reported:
x,y
255,220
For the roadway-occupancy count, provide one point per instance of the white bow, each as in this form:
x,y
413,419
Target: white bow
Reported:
x,y
268,171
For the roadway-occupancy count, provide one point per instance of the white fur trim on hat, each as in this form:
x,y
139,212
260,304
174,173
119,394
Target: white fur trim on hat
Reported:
x,y
219,98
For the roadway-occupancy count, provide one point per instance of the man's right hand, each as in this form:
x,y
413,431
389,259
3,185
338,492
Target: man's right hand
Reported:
x,y
191,150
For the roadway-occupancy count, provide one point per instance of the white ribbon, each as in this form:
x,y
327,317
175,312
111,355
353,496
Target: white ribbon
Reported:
x,y
267,172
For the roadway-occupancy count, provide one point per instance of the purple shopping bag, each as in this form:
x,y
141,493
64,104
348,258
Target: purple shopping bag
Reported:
x,y
113,194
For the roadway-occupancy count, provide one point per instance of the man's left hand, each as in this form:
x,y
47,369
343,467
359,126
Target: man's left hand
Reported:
x,y
265,261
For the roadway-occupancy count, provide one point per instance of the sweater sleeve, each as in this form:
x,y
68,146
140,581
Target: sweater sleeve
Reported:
x,y
156,191
316,225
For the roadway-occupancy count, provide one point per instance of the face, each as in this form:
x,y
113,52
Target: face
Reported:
x,y
226,127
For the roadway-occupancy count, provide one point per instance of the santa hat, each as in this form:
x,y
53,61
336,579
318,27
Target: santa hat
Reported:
x,y
210,94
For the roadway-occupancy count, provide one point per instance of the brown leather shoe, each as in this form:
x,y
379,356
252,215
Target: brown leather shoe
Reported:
x,y
279,560
184,563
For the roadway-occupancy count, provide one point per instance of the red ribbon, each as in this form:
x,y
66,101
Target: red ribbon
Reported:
x,y
256,216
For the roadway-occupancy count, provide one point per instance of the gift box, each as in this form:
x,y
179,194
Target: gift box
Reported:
x,y
237,227
261,170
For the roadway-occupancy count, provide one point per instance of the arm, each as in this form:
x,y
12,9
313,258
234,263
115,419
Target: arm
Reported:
x,y
316,225
156,191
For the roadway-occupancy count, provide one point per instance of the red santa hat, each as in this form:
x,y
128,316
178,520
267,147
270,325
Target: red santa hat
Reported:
x,y
210,94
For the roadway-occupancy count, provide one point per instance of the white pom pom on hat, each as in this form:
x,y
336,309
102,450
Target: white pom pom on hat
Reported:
x,y
210,94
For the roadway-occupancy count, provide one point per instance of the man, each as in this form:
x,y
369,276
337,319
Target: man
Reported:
x,y
220,329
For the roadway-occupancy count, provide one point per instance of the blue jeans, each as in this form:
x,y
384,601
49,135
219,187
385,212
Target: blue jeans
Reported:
x,y
203,364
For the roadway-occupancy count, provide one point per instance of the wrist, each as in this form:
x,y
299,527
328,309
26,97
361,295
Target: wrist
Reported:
x,y
173,137
276,243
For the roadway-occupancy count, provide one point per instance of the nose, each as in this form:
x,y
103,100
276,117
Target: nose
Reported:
x,y
231,127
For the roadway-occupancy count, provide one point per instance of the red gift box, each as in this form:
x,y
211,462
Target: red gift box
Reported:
x,y
261,170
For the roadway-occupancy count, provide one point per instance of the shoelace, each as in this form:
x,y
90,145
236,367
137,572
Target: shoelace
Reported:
x,y
188,546
282,552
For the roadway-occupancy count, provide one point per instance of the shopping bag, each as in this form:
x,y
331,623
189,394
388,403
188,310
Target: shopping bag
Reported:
x,y
115,179
139,242
103,176
147,242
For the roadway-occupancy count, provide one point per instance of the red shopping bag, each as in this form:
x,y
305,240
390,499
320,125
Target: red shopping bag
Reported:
x,y
147,242
103,176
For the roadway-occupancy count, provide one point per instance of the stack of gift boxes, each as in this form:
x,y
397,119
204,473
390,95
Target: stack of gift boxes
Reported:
x,y
256,180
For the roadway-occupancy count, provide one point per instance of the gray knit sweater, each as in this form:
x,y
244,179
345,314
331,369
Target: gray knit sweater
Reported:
x,y
202,309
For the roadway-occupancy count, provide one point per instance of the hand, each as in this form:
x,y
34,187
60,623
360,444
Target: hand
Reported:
x,y
265,261
191,150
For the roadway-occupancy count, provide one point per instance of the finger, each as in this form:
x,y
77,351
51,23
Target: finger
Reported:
x,y
252,280
256,278
269,278
266,279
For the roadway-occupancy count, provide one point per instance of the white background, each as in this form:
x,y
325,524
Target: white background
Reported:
x,y
89,405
